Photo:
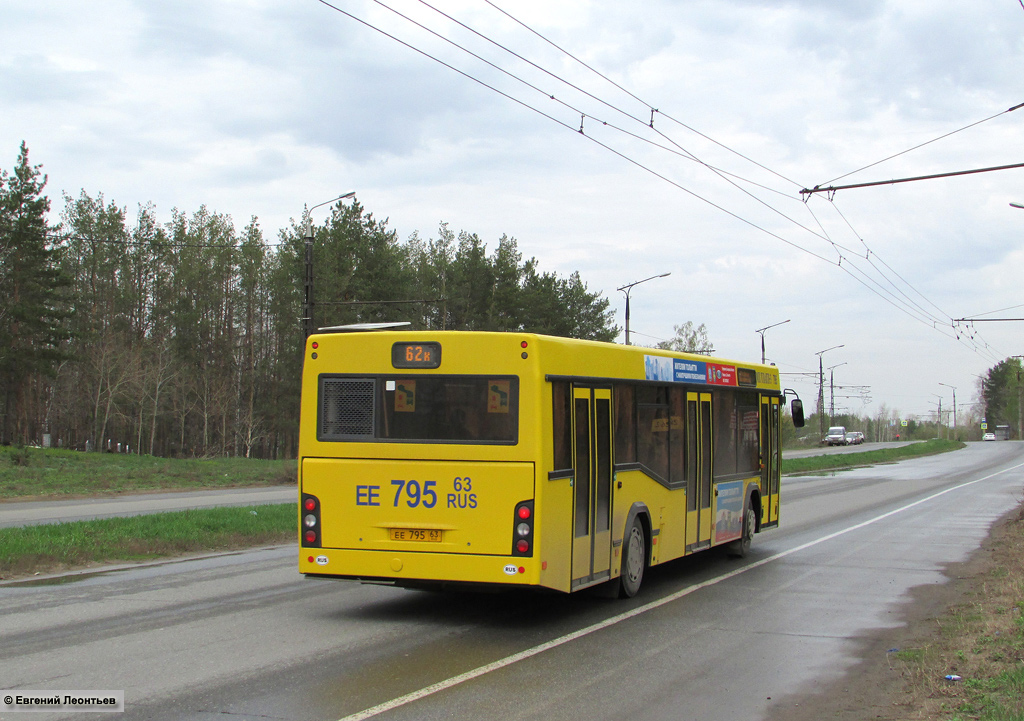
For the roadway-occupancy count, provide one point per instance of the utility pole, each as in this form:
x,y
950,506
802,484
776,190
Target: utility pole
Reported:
x,y
821,389
308,324
832,390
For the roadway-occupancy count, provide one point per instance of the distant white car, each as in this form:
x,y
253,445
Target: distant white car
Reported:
x,y
988,437
854,438
836,436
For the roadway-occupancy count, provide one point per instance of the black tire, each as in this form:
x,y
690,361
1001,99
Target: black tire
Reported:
x,y
634,560
741,547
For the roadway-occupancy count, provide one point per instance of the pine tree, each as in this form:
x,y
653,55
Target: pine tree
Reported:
x,y
32,324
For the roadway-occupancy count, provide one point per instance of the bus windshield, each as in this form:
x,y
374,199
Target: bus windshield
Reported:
x,y
453,409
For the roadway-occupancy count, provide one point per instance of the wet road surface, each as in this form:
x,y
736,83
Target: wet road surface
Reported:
x,y
707,637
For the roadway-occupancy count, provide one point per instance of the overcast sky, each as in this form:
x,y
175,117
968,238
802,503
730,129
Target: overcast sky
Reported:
x,y
259,108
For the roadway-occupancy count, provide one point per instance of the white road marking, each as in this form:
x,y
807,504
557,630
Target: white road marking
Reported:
x,y
562,640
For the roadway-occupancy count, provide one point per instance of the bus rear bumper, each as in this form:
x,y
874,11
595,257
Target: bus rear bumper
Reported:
x,y
413,569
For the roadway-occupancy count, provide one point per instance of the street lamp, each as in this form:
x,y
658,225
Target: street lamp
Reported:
x,y
627,288
762,330
954,405
821,388
307,303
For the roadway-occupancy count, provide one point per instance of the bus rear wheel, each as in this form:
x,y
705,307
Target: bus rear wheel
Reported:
x,y
634,560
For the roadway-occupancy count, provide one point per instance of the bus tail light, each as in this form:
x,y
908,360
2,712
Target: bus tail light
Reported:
x,y
522,529
309,515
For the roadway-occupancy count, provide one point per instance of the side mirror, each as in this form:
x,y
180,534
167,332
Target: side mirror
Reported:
x,y
798,412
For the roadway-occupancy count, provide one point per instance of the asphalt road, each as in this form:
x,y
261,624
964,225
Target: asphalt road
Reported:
x,y
707,637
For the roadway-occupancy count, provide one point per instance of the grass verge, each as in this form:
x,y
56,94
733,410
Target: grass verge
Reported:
x,y
839,461
56,473
56,547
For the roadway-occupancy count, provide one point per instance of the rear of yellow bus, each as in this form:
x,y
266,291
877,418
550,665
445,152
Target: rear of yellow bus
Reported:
x,y
417,458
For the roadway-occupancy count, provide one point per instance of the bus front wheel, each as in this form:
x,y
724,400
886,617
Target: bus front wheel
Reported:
x,y
634,560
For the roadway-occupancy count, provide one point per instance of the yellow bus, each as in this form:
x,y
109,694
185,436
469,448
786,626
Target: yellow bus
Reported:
x,y
446,459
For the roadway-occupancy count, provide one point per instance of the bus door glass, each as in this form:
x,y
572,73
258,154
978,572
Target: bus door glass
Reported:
x,y
592,481
698,470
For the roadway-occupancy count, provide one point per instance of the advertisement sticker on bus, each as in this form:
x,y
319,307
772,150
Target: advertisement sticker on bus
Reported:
x,y
721,375
679,370
657,368
689,371
729,511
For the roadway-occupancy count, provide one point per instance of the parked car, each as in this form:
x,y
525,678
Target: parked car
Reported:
x,y
836,436
854,438
988,437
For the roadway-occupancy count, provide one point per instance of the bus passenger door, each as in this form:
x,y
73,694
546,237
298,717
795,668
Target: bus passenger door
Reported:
x,y
767,450
771,470
699,522
592,491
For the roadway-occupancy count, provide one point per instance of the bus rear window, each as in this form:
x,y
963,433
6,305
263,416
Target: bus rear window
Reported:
x,y
453,409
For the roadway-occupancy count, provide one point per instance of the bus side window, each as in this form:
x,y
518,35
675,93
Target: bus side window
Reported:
x,y
625,425
677,437
652,423
561,406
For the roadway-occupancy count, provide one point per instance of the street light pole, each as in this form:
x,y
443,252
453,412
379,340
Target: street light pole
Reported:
x,y
309,326
762,330
821,389
627,288
954,406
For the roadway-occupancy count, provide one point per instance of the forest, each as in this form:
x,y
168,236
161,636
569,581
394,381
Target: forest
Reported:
x,y
184,337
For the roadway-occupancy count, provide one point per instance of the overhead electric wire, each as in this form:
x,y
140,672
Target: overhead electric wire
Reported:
x,y
926,317
1000,310
530,62
583,114
886,296
867,256
447,65
682,152
929,142
630,94
580,131
685,152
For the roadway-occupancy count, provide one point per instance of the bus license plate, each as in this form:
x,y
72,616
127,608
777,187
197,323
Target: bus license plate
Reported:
x,y
415,534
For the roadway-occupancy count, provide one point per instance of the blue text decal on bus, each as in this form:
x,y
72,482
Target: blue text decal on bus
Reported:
x,y
675,370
